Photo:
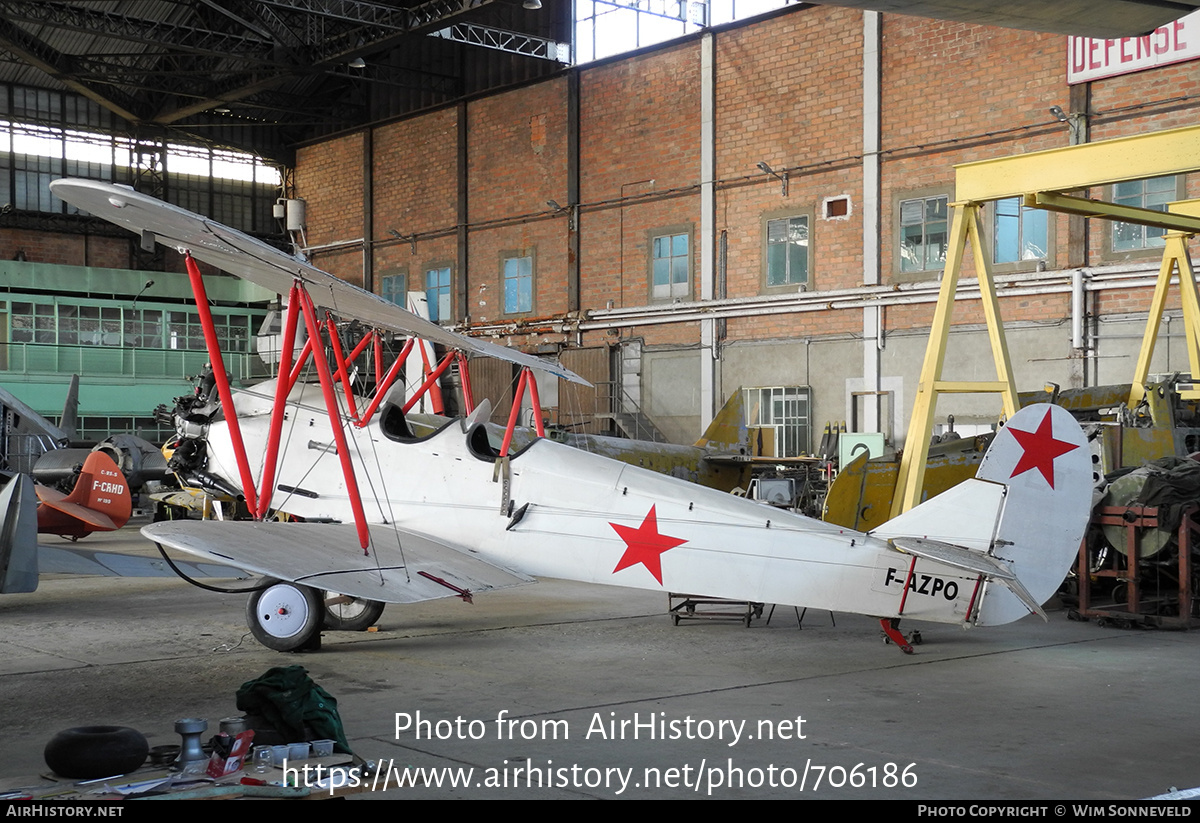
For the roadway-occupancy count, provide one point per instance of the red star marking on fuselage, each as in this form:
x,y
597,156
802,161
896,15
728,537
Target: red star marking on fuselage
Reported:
x,y
1040,449
645,545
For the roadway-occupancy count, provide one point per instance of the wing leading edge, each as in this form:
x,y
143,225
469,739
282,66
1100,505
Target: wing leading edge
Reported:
x,y
326,556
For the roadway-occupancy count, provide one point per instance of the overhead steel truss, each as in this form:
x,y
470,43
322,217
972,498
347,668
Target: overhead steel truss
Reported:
x,y
282,62
509,41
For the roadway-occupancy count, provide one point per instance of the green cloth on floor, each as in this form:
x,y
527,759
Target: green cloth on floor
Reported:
x,y
289,699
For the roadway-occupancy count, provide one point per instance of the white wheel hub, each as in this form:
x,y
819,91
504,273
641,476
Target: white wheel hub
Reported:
x,y
283,610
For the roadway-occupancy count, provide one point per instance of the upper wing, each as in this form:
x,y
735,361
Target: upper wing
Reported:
x,y
309,553
244,256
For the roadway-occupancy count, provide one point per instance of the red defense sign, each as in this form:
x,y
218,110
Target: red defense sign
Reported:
x,y
1092,59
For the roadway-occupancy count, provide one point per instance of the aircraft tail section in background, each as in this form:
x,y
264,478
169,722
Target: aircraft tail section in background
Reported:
x,y
727,433
24,434
100,501
69,422
1019,523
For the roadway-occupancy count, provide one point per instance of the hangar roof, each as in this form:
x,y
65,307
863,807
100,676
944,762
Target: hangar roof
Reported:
x,y
267,74
271,73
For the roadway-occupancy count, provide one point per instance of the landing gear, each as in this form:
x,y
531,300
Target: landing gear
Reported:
x,y
343,613
286,617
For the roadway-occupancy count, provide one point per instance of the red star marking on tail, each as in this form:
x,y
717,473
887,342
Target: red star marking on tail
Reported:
x,y
1040,449
645,545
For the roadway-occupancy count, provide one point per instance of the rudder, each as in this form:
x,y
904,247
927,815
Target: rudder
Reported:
x,y
1042,457
102,488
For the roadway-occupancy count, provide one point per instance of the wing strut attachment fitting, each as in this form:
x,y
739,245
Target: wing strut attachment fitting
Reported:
x,y
463,594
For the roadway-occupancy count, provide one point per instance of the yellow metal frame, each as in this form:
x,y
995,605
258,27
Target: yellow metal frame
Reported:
x,y
1079,167
1175,258
966,227
1040,178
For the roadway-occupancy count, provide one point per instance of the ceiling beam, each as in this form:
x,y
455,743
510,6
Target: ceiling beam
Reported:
x,y
507,41
1104,19
41,56
152,33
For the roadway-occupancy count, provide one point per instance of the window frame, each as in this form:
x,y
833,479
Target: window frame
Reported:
x,y
989,235
672,232
898,200
764,279
434,313
505,256
796,429
1109,251
392,276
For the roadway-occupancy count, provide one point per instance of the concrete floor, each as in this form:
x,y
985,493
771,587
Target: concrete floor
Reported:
x,y
1028,711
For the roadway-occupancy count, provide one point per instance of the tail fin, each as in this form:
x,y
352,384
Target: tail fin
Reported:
x,y
102,489
1019,523
727,432
70,416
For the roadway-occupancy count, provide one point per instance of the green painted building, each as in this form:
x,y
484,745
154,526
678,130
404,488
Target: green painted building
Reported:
x,y
134,345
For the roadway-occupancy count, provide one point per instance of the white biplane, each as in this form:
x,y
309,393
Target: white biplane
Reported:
x,y
448,514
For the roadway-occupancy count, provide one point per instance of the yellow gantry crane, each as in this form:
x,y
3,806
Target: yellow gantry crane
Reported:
x,y
1041,179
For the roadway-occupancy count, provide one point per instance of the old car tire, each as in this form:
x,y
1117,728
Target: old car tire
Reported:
x,y
86,752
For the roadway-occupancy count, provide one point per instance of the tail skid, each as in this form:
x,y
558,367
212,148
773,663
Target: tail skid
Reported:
x,y
1018,523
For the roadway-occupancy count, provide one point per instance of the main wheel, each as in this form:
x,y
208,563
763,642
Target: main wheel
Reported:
x,y
343,613
285,617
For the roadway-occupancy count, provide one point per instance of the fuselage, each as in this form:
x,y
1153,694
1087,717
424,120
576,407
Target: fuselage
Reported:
x,y
580,516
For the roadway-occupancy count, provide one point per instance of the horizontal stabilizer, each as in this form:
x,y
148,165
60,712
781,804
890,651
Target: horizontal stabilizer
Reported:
x,y
964,515
327,556
92,521
970,561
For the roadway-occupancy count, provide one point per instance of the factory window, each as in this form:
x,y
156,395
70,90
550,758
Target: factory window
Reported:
x,y
518,284
392,288
115,327
1019,234
782,412
437,292
787,253
48,134
923,233
144,329
98,427
1154,193
670,265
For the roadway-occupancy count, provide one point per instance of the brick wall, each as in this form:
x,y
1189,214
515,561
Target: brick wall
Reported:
x,y
789,94
639,169
329,176
66,249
